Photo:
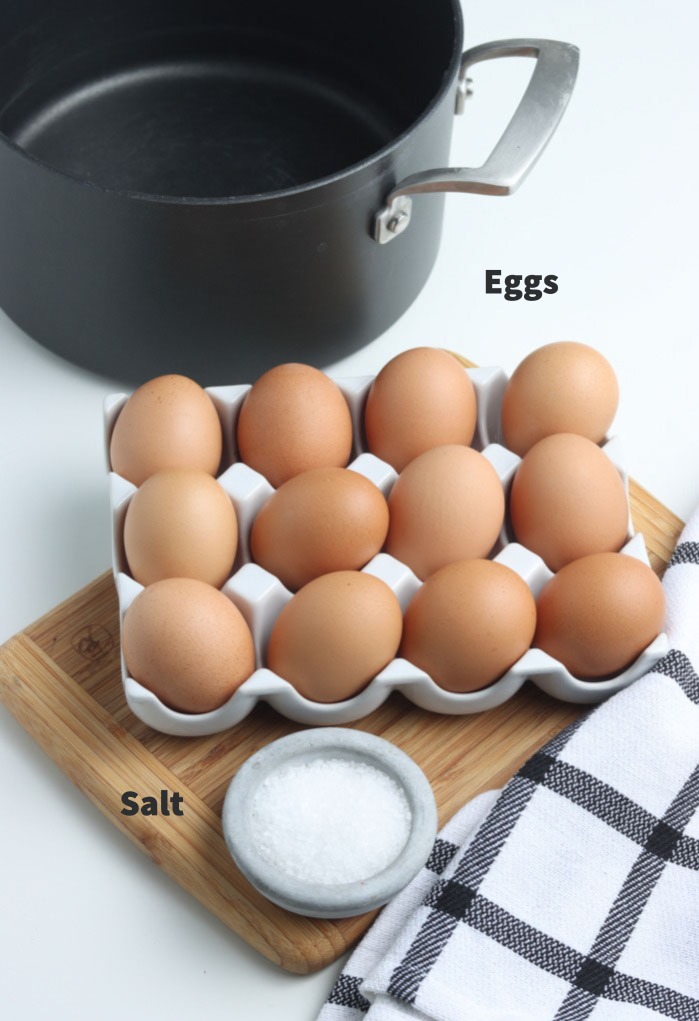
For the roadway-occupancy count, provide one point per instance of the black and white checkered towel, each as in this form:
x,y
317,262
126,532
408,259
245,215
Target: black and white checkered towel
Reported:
x,y
573,893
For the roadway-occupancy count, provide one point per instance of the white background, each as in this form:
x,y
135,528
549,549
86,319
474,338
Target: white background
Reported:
x,y
89,928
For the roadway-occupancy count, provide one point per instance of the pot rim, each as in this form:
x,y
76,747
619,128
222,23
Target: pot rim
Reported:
x,y
267,196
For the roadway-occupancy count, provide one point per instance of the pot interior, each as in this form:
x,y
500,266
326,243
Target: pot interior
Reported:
x,y
214,99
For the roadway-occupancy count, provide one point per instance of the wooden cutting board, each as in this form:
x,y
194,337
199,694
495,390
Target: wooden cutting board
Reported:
x,y
61,679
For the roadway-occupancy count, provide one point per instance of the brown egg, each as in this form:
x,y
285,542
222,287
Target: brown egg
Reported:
x,y
335,635
324,520
294,418
568,500
421,399
447,505
169,422
188,644
468,624
559,388
598,614
180,524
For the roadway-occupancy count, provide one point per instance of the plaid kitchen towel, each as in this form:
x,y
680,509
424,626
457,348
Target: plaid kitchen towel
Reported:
x,y
573,893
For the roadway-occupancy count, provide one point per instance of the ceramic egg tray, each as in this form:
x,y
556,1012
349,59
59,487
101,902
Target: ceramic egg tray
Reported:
x,y
260,596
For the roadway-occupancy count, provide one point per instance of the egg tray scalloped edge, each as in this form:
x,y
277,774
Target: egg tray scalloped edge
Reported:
x,y
260,596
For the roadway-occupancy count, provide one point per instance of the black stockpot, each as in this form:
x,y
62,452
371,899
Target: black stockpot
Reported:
x,y
194,186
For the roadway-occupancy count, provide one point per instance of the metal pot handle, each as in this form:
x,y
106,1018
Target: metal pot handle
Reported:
x,y
523,141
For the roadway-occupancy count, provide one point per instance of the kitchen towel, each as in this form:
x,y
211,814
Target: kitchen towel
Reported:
x,y
573,893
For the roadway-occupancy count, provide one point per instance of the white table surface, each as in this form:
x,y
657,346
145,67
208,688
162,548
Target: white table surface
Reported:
x,y
89,928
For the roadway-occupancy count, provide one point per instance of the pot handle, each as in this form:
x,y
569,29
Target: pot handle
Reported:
x,y
523,141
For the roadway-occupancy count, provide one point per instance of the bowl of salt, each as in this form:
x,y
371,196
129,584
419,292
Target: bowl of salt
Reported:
x,y
329,822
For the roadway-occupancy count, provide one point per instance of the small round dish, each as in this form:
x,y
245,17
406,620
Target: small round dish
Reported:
x,y
326,900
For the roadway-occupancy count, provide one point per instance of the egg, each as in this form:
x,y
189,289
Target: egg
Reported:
x,y
468,624
293,419
169,422
335,635
421,399
446,505
180,524
564,387
187,643
599,613
568,500
324,520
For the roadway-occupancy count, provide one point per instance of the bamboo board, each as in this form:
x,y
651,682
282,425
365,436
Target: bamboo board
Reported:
x,y
61,679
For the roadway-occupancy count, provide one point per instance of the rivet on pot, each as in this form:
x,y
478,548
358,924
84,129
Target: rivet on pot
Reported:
x,y
393,219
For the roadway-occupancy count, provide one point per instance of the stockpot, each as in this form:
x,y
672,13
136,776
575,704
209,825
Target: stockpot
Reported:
x,y
214,186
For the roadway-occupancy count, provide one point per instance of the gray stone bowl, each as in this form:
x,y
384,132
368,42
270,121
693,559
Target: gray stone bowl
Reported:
x,y
320,900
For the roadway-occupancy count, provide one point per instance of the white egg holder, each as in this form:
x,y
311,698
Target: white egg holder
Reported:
x,y
260,596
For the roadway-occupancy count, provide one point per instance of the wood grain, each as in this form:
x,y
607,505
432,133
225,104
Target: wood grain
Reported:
x,y
61,679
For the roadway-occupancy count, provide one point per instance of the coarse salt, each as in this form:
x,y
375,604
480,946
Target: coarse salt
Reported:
x,y
330,820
